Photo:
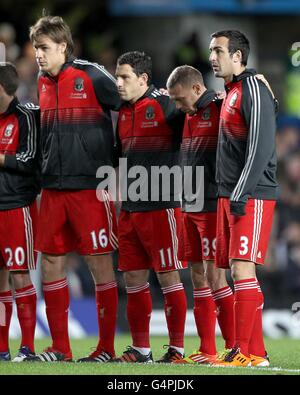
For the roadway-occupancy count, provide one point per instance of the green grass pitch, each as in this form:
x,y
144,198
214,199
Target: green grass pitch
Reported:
x,y
284,354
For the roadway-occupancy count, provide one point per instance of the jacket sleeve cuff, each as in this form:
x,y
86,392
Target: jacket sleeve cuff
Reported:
x,y
237,208
10,162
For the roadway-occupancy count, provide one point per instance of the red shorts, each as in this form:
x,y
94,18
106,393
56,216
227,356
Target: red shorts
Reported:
x,y
197,239
149,240
17,235
75,220
244,237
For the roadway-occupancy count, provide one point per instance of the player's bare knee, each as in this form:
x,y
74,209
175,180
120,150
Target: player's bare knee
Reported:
x,y
135,278
168,278
242,270
212,281
4,280
21,279
198,276
53,268
216,277
101,267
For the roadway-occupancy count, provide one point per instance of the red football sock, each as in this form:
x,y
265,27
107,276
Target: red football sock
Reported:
x,y
256,344
175,311
6,301
107,306
26,308
205,318
139,309
224,300
56,294
245,305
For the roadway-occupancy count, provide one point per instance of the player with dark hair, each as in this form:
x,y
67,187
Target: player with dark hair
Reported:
x,y
149,132
247,188
19,186
76,98
213,298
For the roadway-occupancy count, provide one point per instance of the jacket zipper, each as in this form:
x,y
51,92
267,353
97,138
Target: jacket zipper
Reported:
x,y
191,135
218,161
132,132
132,124
58,136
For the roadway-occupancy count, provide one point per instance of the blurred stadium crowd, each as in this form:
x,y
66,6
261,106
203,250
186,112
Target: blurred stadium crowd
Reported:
x,y
280,277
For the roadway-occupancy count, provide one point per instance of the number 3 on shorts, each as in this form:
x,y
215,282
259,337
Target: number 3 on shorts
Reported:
x,y
101,239
244,245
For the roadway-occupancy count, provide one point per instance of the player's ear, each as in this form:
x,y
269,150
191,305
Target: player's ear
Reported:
x,y
197,89
144,78
63,47
237,56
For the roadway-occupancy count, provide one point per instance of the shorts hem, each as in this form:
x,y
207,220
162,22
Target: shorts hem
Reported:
x,y
43,251
82,253
246,260
171,270
20,270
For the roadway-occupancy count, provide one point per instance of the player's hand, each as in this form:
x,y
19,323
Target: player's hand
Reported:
x,y
221,95
164,91
2,160
262,78
237,209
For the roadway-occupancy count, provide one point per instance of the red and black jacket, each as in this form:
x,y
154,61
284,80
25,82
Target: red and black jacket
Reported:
x,y
246,157
19,177
149,135
76,126
198,148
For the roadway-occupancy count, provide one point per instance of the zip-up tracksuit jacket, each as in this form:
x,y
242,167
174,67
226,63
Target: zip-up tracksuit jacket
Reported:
x,y
76,125
198,148
246,157
19,177
149,135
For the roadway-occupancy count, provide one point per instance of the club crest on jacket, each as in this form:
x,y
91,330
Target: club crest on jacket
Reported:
x,y
9,130
78,84
150,113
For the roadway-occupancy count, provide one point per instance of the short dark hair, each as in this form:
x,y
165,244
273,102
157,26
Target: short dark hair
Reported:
x,y
139,61
9,78
184,75
55,28
236,41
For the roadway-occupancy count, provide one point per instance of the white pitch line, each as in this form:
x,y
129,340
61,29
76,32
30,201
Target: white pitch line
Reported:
x,y
266,369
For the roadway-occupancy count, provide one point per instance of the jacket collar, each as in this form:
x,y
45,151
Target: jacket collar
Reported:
x,y
11,107
67,64
146,94
246,73
207,97
236,78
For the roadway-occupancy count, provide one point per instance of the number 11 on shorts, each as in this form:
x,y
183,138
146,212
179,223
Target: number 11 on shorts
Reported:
x,y
162,257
